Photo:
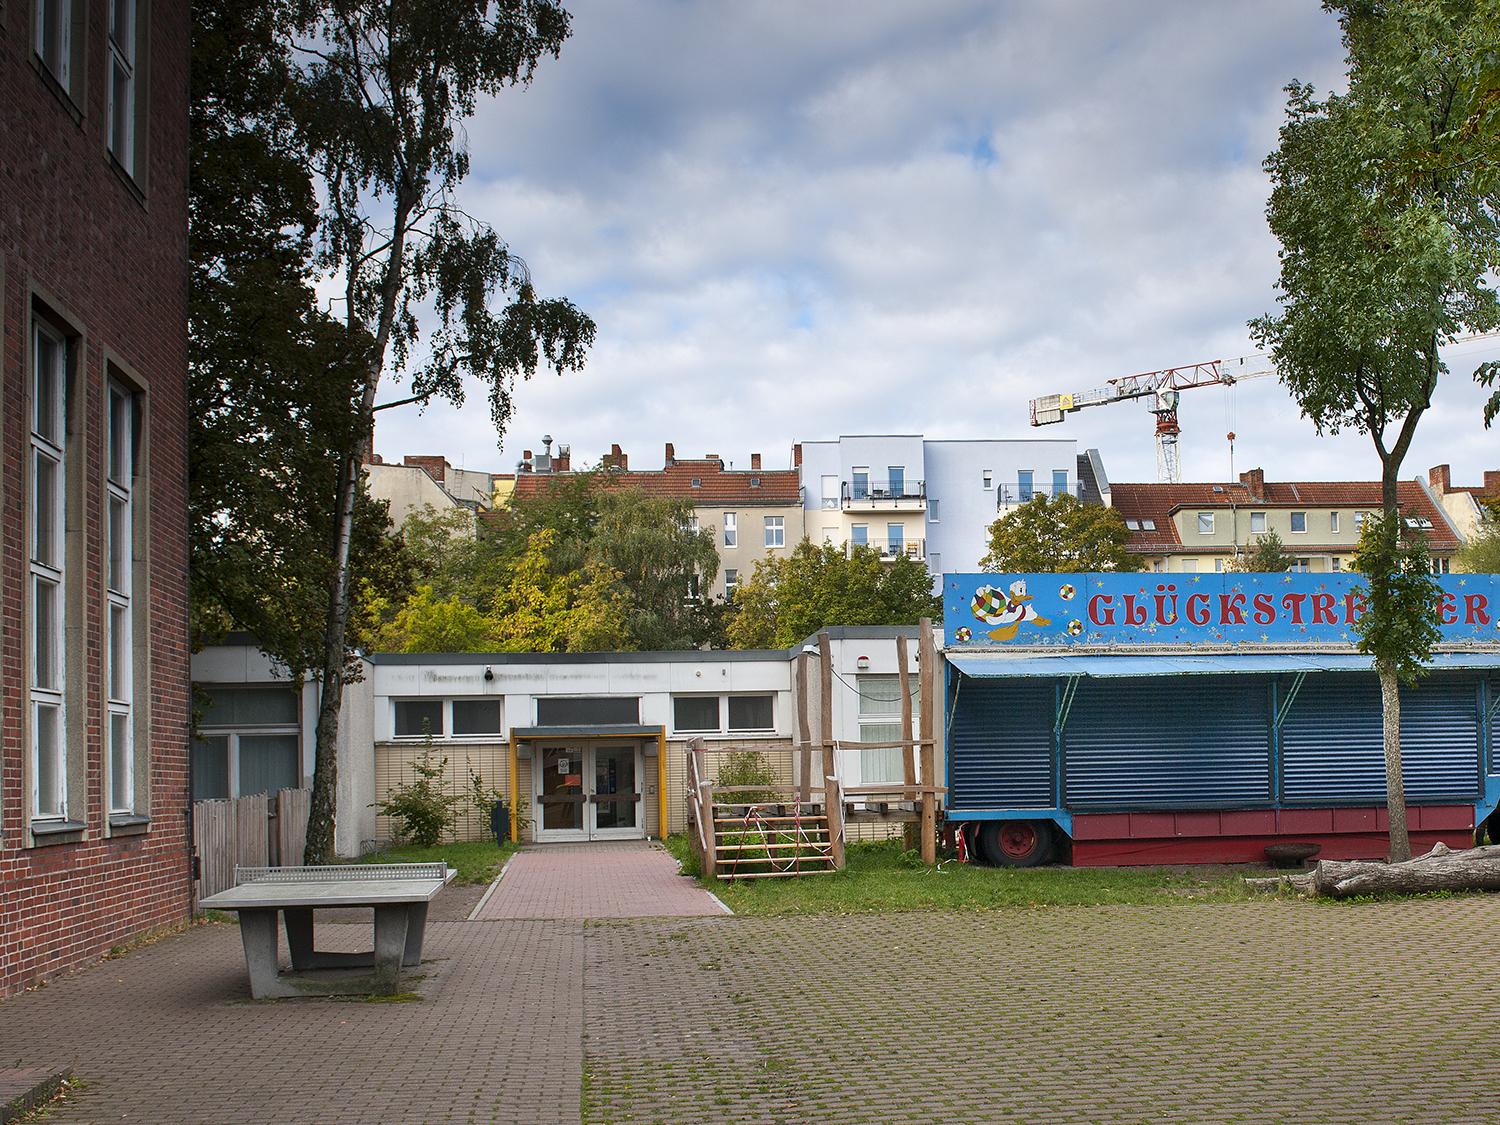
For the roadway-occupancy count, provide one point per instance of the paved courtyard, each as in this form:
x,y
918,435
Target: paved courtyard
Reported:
x,y
1263,1012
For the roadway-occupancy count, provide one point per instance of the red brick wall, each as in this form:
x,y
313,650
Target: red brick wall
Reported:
x,y
71,228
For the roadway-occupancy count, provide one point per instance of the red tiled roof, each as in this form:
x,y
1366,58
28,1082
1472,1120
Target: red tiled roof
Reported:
x,y
779,488
1158,502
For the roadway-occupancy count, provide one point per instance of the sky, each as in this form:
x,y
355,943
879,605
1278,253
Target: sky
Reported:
x,y
793,221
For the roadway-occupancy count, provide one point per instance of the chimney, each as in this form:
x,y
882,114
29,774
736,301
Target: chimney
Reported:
x,y
755,462
797,456
564,458
1492,484
1255,481
435,466
671,455
1438,476
616,459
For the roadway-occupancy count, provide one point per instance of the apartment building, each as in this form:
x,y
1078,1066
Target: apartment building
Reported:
x,y
1203,527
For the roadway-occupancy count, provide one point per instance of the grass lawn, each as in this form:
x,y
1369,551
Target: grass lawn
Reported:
x,y
878,879
475,861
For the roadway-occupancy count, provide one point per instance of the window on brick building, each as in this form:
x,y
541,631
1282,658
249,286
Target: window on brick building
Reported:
x,y
119,528
122,53
49,762
52,35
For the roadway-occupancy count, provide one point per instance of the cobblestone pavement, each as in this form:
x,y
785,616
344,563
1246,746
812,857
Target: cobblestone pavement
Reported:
x,y
1263,1012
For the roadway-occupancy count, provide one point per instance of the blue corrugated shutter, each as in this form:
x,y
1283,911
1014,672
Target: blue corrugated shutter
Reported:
x,y
1168,741
1000,745
1333,745
1440,739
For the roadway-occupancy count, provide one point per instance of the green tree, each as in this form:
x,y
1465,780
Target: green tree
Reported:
x,y
1383,203
1062,536
428,624
662,562
379,101
1269,557
1481,554
789,599
271,380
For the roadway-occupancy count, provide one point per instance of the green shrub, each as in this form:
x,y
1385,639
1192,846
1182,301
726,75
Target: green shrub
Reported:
x,y
424,813
748,767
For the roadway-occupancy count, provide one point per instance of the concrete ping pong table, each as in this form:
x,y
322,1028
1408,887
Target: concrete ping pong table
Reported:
x,y
399,893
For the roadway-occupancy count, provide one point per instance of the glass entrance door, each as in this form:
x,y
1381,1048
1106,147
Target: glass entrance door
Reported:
x,y
615,800
585,792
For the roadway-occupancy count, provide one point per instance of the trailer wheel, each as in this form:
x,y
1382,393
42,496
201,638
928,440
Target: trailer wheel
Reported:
x,y
1016,843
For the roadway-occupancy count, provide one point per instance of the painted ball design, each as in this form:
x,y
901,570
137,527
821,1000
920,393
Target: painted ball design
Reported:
x,y
988,603
1067,592
1075,627
963,635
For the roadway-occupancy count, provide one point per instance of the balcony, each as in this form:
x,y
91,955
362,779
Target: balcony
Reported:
x,y
899,493
1011,495
891,549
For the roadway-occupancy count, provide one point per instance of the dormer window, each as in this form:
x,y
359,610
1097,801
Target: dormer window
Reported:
x,y
755,482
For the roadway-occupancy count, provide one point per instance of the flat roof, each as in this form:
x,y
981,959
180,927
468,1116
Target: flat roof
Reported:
x,y
600,730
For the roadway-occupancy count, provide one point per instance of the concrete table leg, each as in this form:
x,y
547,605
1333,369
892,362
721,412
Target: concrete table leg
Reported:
x,y
391,926
258,932
416,928
299,936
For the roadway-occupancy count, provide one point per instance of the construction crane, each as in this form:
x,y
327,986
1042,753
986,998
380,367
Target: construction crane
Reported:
x,y
1163,388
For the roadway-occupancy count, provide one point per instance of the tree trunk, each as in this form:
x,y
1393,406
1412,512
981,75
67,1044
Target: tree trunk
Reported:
x,y
1442,869
1395,788
321,816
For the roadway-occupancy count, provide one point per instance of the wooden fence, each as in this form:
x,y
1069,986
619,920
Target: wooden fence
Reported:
x,y
258,831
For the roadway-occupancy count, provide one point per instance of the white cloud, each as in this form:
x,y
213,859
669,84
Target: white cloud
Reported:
x,y
793,221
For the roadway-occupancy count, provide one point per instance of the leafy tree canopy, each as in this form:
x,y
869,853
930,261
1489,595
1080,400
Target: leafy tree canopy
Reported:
x,y
818,585
1269,557
1063,536
271,379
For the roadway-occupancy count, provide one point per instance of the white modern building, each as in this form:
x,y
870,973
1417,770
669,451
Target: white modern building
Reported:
x,y
933,500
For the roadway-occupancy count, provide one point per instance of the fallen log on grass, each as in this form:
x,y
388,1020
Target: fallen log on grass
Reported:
x,y
1442,869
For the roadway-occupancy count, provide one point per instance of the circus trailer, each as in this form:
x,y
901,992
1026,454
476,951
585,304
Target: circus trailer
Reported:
x,y
1176,718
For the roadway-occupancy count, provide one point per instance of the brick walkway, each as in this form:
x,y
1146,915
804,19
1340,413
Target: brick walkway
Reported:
x,y
1263,1012
594,881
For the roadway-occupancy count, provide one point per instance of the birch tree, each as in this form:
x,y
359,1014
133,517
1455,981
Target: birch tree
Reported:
x,y
382,94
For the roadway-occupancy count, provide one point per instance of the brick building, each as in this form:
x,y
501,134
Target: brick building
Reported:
x,y
93,540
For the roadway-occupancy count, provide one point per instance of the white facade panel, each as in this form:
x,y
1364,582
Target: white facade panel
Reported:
x,y
760,676
578,679
635,679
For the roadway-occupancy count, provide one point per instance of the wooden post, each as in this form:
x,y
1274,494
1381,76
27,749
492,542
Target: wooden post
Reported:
x,y
927,685
804,732
908,752
825,719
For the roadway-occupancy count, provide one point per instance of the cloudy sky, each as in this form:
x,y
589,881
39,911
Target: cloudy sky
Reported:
x,y
797,220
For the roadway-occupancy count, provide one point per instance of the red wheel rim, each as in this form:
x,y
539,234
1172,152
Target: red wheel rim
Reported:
x,y
1018,840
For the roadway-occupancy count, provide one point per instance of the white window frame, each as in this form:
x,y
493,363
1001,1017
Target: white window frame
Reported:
x,y
731,581
830,492
48,429
775,531
933,512
880,721
723,697
122,82
731,530
1205,523
989,480
59,15
1333,522
1260,519
120,560
1292,523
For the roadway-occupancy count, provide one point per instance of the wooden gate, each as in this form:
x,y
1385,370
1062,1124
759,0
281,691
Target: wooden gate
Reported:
x,y
252,831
